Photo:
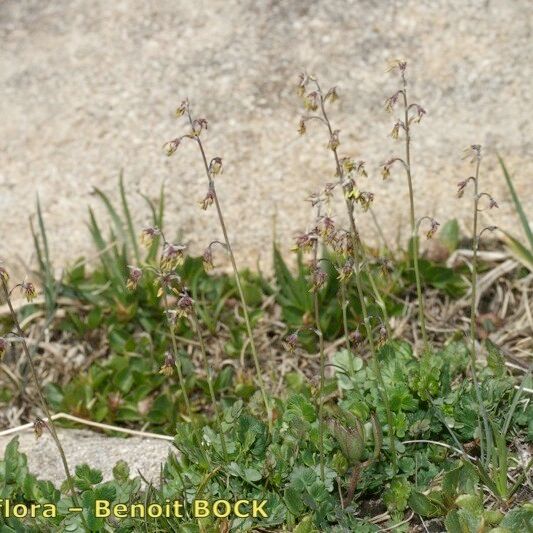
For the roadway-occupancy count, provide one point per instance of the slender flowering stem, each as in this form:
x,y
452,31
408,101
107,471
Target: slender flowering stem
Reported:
x,y
344,304
357,251
176,356
473,328
320,336
196,322
412,216
236,274
44,404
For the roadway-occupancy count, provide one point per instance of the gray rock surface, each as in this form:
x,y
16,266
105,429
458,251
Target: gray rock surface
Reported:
x,y
89,88
100,452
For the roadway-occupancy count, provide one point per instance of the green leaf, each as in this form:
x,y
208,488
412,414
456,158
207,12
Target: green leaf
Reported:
x,y
473,503
86,477
305,526
293,500
121,471
519,518
397,495
495,358
422,505
252,474
520,252
449,235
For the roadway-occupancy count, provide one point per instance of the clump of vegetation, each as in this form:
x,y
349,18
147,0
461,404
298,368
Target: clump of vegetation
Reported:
x,y
386,428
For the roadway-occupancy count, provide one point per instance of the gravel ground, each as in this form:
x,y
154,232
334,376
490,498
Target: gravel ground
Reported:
x,y
89,88
142,455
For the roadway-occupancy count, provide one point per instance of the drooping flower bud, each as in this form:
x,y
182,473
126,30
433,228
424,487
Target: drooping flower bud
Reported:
x,y
38,427
198,125
180,111
346,270
301,127
318,278
207,259
306,241
3,347
461,186
4,274
134,277
291,342
28,290
334,140
433,229
172,256
148,235
311,101
332,95
171,146
215,166
300,87
208,200
167,368
184,306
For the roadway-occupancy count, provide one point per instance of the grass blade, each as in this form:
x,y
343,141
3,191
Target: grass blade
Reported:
x,y
129,221
518,204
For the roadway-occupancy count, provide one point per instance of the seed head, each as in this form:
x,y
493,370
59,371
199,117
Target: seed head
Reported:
x,y
365,200
472,152
208,200
433,228
167,368
326,227
38,427
207,259
346,271
419,113
134,277
198,125
334,141
301,127
311,101
461,186
184,306
382,336
172,256
28,290
306,241
148,235
215,166
168,280
356,337
4,274
183,107
399,64
391,101
395,133
329,189
332,95
300,86
171,146
318,279
291,342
